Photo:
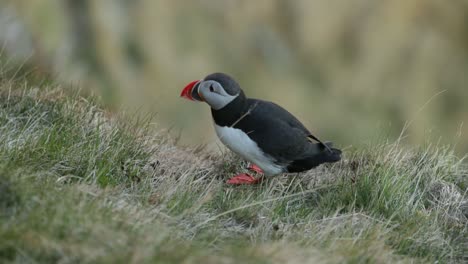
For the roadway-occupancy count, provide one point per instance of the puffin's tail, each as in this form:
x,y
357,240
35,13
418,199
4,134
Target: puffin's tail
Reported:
x,y
319,154
329,153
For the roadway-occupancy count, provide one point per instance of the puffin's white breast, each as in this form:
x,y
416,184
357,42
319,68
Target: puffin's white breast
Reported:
x,y
240,143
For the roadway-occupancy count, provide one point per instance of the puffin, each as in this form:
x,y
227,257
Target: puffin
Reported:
x,y
262,132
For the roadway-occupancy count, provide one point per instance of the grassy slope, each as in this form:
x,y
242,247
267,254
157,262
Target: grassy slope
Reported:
x,y
80,185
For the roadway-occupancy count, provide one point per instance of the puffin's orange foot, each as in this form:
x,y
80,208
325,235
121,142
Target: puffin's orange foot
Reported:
x,y
255,168
243,178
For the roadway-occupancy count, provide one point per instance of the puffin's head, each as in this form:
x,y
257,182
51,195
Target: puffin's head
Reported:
x,y
217,90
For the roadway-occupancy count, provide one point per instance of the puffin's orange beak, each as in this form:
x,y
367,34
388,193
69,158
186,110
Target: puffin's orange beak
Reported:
x,y
190,93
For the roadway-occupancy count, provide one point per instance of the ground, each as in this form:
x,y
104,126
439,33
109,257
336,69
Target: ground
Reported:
x,y
79,184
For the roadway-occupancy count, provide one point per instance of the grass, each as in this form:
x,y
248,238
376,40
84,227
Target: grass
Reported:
x,y
79,184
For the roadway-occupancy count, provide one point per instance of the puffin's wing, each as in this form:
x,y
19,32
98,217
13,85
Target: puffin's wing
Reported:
x,y
270,108
276,131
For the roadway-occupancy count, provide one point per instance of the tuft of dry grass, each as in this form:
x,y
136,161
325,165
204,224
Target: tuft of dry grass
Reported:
x,y
78,184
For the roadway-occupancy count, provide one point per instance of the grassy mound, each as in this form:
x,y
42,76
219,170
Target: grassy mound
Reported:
x,y
79,184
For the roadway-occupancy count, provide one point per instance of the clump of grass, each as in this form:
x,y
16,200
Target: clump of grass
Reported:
x,y
70,137
79,184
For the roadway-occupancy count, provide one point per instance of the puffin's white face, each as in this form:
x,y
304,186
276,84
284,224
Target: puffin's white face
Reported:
x,y
214,94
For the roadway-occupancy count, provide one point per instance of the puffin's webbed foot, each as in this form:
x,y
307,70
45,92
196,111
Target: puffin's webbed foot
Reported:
x,y
247,179
244,178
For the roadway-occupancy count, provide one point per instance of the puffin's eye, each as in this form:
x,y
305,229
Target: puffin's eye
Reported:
x,y
211,88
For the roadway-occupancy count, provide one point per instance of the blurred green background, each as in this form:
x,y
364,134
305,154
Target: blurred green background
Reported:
x,y
351,70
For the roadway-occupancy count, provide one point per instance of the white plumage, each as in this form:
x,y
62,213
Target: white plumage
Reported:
x,y
240,143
